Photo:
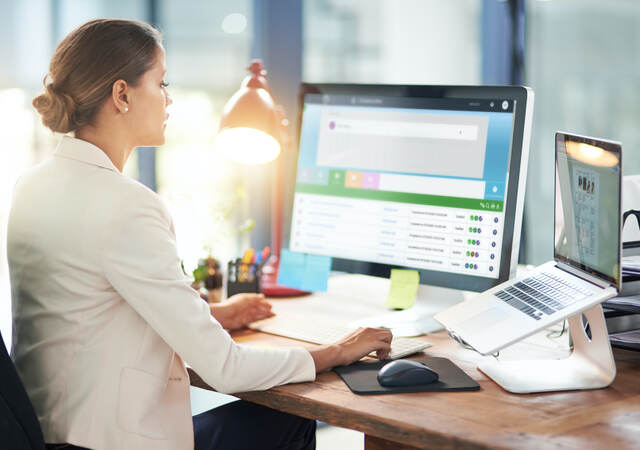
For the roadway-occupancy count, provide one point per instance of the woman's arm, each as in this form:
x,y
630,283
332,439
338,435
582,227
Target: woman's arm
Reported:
x,y
352,347
240,310
141,262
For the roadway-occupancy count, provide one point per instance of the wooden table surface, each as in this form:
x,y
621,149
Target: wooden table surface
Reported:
x,y
489,418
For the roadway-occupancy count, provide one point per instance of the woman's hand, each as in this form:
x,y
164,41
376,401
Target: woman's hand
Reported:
x,y
353,347
240,310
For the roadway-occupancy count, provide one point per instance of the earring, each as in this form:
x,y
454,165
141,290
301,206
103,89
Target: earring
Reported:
x,y
126,109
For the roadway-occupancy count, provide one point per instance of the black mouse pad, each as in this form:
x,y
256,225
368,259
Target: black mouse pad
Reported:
x,y
361,377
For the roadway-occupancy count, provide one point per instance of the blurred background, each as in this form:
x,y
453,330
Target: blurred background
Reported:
x,y
579,56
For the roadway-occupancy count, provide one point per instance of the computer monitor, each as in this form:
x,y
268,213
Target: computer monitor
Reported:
x,y
430,178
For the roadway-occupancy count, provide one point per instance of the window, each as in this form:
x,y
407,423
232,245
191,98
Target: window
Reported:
x,y
377,41
208,46
583,66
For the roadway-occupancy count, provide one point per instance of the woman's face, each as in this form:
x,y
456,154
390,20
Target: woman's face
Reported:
x,y
148,105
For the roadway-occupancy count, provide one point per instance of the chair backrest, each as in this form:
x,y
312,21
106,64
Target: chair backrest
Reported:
x,y
19,426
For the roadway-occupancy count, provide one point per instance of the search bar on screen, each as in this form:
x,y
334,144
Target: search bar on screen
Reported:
x,y
404,129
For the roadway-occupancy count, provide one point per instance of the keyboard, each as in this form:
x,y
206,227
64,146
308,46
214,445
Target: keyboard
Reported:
x,y
325,332
542,294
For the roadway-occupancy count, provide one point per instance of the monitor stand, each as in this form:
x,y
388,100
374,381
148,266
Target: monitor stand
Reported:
x,y
590,365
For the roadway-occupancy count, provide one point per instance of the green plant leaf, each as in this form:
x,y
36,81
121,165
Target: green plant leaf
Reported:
x,y
247,226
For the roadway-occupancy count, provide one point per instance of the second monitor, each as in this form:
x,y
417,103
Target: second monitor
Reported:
x,y
430,178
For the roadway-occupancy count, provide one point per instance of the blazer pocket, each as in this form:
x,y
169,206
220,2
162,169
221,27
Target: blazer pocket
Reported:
x,y
140,410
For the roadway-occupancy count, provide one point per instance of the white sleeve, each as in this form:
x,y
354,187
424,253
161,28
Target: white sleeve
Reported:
x,y
141,262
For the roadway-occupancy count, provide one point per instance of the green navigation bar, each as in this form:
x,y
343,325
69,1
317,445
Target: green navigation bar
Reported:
x,y
340,190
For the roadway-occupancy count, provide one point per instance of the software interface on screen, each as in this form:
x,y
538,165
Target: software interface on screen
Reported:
x,y
587,207
413,182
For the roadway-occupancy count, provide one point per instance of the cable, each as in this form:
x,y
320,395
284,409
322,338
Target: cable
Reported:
x,y
555,334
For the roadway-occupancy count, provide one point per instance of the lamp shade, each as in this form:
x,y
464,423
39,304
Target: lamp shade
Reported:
x,y
250,131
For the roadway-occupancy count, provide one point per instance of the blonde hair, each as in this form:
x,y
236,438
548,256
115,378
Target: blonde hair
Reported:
x,y
85,65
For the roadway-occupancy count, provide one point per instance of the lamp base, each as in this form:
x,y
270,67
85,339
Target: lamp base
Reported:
x,y
269,282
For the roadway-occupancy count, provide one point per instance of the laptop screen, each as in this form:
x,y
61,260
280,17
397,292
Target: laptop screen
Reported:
x,y
587,205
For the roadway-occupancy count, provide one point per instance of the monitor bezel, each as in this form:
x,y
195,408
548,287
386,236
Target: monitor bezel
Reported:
x,y
611,146
523,97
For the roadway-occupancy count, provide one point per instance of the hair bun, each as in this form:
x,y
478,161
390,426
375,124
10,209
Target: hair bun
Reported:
x,y
56,108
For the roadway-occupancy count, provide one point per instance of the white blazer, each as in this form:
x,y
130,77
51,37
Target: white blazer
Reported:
x,y
103,316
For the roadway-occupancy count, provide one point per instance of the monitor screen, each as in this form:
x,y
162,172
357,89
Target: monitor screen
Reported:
x,y
419,178
587,211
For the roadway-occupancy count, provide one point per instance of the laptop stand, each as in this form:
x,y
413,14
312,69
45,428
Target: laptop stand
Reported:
x,y
590,365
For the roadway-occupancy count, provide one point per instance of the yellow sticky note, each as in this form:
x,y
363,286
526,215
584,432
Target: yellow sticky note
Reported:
x,y
403,289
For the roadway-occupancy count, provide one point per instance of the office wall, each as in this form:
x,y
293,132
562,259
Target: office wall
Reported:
x,y
582,60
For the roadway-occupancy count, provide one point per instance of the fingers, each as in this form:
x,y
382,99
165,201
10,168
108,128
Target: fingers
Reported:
x,y
380,334
383,354
385,334
259,311
365,341
384,343
258,301
262,306
249,302
263,311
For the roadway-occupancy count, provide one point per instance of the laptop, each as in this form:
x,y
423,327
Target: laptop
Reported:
x,y
587,248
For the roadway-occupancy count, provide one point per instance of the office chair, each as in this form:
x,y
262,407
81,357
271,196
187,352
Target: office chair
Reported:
x,y
19,426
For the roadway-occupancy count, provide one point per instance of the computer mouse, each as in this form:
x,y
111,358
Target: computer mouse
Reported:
x,y
405,372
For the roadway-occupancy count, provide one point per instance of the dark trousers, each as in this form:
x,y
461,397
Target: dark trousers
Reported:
x,y
242,425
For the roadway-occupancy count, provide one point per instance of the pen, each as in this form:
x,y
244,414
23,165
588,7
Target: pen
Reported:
x,y
248,254
238,270
265,255
246,259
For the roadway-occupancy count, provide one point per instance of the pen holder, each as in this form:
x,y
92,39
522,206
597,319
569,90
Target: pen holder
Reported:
x,y
243,277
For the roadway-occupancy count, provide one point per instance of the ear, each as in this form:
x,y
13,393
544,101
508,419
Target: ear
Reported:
x,y
120,96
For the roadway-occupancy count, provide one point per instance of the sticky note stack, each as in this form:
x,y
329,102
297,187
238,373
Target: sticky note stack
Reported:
x,y
304,271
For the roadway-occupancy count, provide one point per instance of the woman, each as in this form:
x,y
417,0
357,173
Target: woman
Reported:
x,y
104,318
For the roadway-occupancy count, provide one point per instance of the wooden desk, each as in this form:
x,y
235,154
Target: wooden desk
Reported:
x,y
489,418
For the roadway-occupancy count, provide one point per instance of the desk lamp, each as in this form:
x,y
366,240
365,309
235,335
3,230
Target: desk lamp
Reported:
x,y
253,130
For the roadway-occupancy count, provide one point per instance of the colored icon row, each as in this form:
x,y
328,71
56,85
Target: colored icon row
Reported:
x,y
346,178
359,180
473,266
475,218
473,241
475,230
473,254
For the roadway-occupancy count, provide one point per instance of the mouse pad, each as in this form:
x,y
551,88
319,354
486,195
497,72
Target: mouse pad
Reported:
x,y
361,377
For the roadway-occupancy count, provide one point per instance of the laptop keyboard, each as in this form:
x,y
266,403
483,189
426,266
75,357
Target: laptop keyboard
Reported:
x,y
542,294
